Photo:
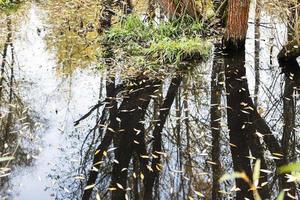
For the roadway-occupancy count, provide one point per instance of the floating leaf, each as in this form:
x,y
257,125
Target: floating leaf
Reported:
x,y
98,196
105,153
199,194
256,172
120,186
142,176
112,189
89,187
235,175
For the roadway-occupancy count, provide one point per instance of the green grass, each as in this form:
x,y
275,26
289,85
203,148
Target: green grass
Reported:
x,y
182,49
131,29
167,43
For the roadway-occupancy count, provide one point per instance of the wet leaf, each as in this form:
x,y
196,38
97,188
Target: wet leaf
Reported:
x,y
79,177
199,194
112,189
256,172
89,187
120,186
277,154
105,153
263,184
212,163
98,196
259,134
111,149
235,175
291,196
110,129
233,145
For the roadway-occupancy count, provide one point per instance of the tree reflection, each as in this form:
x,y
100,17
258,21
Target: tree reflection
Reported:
x,y
16,125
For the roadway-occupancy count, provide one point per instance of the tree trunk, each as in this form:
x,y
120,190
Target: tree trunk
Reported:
x,y
237,24
173,8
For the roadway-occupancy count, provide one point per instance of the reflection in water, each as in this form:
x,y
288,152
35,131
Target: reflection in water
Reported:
x,y
139,144
145,138
73,33
16,120
37,91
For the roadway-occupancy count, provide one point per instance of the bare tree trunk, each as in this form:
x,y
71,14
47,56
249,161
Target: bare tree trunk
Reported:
x,y
174,8
237,24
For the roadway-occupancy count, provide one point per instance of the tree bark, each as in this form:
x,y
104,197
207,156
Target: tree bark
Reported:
x,y
237,24
173,8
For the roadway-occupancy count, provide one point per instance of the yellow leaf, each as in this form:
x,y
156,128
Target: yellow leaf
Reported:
x,y
142,176
89,187
112,189
120,186
98,196
199,194
105,153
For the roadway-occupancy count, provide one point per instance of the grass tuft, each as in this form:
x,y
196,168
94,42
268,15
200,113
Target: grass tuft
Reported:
x,y
149,44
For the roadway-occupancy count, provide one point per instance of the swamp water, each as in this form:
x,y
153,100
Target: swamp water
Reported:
x,y
53,157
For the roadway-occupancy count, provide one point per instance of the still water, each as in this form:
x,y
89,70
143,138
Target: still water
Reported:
x,y
51,89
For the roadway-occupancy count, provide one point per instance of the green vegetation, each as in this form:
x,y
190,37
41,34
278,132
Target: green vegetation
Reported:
x,y
169,51
168,43
9,6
